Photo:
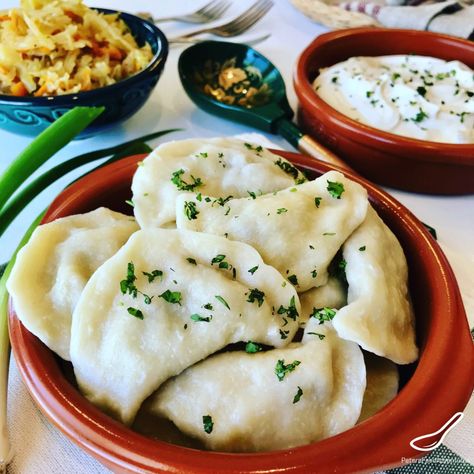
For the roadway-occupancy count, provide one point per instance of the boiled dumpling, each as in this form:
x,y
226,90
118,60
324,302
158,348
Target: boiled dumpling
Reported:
x,y
165,301
52,269
218,167
264,401
332,295
298,230
379,315
382,384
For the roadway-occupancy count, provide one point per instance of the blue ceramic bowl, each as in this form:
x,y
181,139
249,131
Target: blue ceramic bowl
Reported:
x,y
31,115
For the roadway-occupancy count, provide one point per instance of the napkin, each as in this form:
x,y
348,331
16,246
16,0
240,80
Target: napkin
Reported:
x,y
449,17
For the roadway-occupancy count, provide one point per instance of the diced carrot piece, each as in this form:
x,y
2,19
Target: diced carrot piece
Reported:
x,y
114,53
18,89
73,16
41,91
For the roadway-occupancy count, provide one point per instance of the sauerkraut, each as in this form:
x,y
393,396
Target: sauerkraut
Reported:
x,y
62,47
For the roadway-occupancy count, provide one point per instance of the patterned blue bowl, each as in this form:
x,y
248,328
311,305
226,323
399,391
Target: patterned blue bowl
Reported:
x,y
31,115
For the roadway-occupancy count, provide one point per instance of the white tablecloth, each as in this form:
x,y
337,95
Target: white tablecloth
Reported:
x,y
40,448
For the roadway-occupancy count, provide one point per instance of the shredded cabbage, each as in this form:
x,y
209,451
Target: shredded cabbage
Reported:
x,y
62,47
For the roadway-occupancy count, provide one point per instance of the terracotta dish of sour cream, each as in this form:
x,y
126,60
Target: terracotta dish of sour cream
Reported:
x,y
410,95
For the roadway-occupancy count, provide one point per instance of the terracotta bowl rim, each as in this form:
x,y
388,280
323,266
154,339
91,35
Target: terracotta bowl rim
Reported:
x,y
359,132
379,438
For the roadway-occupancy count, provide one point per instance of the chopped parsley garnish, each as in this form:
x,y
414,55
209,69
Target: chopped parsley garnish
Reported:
x,y
256,295
281,210
297,397
293,279
284,334
362,249
314,273
222,201
252,347
130,202
321,336
420,116
182,185
288,168
203,155
207,423
334,79
253,269
171,297
290,311
154,274
329,233
199,197
190,210
128,285
135,312
421,90
281,369
317,201
258,148
198,318
208,306
220,259
335,189
395,76
373,102
323,314
252,194
191,260
368,94
222,300
220,155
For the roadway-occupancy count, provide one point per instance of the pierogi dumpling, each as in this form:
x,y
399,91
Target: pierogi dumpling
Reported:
x,y
52,269
166,300
271,400
382,384
218,167
331,295
297,230
379,315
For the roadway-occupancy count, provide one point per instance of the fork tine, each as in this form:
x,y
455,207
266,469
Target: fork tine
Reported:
x,y
219,9
203,10
251,16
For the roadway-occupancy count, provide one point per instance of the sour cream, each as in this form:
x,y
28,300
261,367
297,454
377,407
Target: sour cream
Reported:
x,y
414,96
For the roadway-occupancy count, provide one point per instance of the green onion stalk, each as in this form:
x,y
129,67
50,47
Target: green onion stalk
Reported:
x,y
55,137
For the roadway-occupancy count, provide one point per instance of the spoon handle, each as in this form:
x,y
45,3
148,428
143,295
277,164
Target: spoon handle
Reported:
x,y
308,145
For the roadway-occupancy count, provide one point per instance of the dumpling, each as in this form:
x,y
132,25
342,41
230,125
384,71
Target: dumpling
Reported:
x,y
332,295
379,315
52,269
218,167
297,230
382,384
246,402
165,301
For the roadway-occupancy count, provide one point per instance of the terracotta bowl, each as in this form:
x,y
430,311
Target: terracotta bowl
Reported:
x,y
438,386
388,159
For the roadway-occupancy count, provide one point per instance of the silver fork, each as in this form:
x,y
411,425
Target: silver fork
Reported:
x,y
238,25
209,12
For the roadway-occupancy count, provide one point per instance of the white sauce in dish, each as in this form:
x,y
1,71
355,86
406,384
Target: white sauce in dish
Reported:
x,y
414,96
